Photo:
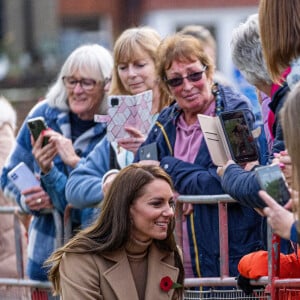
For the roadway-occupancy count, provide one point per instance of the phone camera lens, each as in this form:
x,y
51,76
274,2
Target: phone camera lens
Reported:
x,y
114,102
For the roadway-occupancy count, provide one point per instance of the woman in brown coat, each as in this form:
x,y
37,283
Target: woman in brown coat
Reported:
x,y
130,251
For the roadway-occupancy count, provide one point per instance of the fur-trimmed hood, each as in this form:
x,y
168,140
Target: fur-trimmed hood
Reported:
x,y
8,113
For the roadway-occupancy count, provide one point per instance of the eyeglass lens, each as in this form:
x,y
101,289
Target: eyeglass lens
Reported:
x,y
85,83
194,77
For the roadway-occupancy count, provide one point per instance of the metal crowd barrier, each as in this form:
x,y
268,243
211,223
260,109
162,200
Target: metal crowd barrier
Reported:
x,y
21,288
275,288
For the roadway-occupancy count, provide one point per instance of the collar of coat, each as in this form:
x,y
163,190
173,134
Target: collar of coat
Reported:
x,y
160,264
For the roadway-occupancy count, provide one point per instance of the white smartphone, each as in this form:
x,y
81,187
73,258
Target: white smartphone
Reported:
x,y
22,177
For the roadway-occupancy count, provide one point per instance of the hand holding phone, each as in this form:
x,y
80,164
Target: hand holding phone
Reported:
x,y
148,152
36,126
272,180
237,132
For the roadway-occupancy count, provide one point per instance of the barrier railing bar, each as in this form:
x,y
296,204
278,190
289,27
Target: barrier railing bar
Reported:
x,y
217,281
223,240
10,210
206,199
288,282
18,247
67,223
25,282
59,239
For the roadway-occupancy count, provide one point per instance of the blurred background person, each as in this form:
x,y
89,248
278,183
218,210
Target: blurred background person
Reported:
x,y
130,250
280,33
284,220
280,30
8,258
209,45
186,72
68,109
247,54
133,73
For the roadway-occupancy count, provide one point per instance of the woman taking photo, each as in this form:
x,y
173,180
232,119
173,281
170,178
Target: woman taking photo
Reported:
x,y
186,73
130,251
68,110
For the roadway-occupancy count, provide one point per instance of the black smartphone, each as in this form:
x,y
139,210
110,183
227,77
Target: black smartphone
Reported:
x,y
148,152
114,101
240,140
272,180
36,126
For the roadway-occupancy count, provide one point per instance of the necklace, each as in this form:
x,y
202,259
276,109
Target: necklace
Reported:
x,y
219,104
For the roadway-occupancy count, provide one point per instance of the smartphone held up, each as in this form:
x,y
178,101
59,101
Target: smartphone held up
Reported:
x,y
36,126
271,180
238,135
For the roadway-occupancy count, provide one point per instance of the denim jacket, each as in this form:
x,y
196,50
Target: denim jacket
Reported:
x,y
42,231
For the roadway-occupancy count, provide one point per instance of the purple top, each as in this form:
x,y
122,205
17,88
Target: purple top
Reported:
x,y
187,145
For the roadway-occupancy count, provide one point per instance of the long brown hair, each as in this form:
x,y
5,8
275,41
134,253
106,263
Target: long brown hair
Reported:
x,y
280,34
291,131
111,231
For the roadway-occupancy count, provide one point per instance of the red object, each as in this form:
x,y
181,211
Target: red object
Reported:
x,y
166,283
255,265
274,88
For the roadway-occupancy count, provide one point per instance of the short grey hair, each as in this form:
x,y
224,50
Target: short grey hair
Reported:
x,y
247,54
91,60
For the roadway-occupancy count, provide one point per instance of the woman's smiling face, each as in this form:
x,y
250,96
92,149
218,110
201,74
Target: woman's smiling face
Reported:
x,y
84,103
192,96
152,212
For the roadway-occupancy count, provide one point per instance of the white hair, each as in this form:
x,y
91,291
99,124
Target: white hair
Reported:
x,y
92,61
247,54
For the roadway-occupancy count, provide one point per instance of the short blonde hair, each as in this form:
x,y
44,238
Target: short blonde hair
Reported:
x,y
129,46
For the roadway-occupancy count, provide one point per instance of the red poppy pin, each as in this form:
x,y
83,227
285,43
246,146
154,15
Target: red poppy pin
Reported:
x,y
166,284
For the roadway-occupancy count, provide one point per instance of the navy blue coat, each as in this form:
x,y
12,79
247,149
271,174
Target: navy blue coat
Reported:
x,y
200,178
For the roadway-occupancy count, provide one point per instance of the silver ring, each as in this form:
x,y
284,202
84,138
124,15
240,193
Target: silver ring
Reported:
x,y
39,201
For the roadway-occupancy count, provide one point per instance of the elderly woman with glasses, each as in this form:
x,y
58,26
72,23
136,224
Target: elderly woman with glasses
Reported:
x,y
68,110
186,73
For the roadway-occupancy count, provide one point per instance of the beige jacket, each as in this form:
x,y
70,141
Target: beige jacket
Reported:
x,y
109,277
8,263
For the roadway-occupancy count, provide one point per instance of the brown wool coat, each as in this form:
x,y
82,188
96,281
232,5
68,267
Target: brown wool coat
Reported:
x,y
108,277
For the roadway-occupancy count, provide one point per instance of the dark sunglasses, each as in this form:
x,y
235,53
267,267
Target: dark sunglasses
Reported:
x,y
177,81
